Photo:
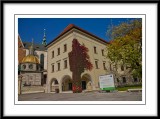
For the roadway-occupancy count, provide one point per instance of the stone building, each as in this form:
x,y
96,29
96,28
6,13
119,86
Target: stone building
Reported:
x,y
41,53
31,69
39,50
59,75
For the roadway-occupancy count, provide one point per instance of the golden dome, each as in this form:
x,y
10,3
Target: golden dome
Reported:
x,y
31,59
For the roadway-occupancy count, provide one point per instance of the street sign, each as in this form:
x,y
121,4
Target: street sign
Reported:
x,y
106,82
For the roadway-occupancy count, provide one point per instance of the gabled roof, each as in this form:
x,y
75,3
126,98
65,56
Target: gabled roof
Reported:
x,y
39,47
71,26
19,38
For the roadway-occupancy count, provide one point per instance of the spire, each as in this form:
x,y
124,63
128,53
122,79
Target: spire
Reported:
x,y
44,38
31,49
32,42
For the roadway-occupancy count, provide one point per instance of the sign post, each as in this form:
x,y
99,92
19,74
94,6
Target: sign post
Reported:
x,y
106,82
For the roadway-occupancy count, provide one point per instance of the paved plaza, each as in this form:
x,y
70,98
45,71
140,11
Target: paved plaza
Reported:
x,y
89,96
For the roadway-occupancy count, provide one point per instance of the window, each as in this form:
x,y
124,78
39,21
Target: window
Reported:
x,y
110,67
102,52
96,63
65,64
124,79
65,47
122,68
58,51
24,66
104,65
117,80
52,67
59,66
135,80
31,66
42,61
95,50
52,54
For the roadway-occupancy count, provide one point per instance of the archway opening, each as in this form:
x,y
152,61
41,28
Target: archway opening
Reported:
x,y
54,85
66,83
86,82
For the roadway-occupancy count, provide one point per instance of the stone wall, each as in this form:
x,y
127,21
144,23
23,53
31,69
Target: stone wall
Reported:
x,y
33,79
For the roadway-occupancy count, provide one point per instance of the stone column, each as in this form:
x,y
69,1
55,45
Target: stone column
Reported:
x,y
19,84
48,86
60,88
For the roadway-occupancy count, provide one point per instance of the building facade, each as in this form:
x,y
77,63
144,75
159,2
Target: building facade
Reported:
x,y
52,62
33,66
59,74
31,72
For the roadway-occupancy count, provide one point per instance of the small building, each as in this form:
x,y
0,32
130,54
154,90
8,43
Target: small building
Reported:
x,y
38,58
31,69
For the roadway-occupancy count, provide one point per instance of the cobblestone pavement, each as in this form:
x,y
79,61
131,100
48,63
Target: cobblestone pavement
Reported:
x,y
91,96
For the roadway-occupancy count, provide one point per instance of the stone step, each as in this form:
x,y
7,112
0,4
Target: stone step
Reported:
x,y
134,90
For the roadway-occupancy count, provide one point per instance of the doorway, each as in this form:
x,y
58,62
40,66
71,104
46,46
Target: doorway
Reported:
x,y
83,85
69,86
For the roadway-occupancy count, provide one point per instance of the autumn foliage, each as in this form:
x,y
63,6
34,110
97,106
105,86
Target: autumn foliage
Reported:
x,y
79,62
126,46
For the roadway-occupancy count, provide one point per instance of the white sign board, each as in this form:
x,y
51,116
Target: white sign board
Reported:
x,y
106,82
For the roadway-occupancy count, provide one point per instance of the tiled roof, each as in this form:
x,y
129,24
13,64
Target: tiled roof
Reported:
x,y
39,47
71,26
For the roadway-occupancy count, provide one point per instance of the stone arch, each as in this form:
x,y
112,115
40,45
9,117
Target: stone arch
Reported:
x,y
87,83
54,84
66,82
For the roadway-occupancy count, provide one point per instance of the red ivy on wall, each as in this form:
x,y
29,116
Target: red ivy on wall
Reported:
x,y
79,62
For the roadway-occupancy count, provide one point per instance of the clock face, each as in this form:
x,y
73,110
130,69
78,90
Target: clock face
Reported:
x,y
24,66
31,66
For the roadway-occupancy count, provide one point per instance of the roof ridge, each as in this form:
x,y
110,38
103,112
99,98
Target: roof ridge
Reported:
x,y
69,27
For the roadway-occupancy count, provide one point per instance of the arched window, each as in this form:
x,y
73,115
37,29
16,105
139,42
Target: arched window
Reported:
x,y
42,61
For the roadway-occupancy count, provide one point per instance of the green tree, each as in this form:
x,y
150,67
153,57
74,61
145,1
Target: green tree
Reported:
x,y
126,45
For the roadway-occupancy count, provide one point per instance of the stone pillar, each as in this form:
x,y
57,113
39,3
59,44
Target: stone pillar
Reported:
x,y
60,88
48,86
89,86
20,84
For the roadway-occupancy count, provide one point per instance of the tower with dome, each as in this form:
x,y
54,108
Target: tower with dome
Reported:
x,y
31,69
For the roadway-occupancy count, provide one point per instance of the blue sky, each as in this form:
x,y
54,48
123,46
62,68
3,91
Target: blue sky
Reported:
x,y
29,28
